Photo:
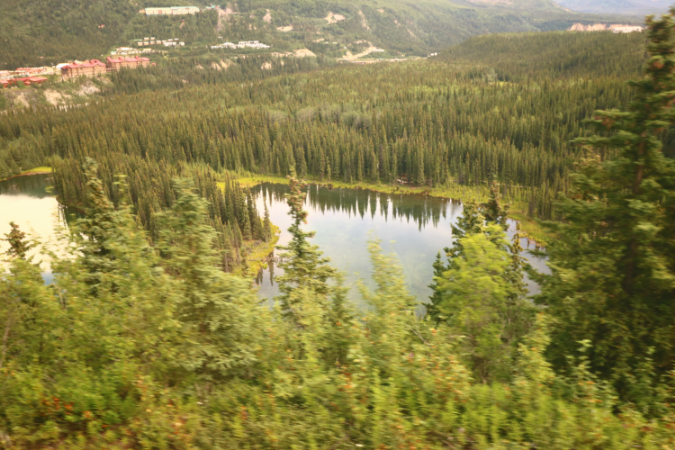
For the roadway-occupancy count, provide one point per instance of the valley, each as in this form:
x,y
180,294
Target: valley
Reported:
x,y
325,28
332,225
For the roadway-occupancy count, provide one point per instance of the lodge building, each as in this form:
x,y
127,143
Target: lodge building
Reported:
x,y
117,64
91,68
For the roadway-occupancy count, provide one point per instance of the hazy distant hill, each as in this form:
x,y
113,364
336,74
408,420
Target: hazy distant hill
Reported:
x,y
38,32
617,6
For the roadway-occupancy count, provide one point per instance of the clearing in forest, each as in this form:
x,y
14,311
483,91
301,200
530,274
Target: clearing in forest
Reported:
x,y
223,17
333,18
349,56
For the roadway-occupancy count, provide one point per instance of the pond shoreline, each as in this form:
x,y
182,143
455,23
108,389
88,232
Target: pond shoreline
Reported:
x,y
530,227
28,173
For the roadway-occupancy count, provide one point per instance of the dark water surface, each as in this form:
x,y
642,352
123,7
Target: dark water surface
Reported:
x,y
413,227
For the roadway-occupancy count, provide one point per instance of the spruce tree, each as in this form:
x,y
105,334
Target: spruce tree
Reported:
x,y
218,311
436,297
480,294
613,263
18,245
267,225
474,302
304,267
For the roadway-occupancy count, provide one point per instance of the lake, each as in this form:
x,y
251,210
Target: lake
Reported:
x,y
412,227
28,202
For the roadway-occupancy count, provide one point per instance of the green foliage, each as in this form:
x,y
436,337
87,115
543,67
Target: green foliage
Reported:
x,y
613,279
142,341
570,55
169,352
474,302
305,271
216,309
18,246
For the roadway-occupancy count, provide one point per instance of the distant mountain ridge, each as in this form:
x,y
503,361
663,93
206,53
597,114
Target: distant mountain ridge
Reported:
x,y
632,7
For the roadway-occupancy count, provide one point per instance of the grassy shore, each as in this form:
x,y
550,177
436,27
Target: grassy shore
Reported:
x,y
35,171
257,253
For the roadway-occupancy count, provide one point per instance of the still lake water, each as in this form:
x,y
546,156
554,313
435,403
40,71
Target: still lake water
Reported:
x,y
28,202
412,227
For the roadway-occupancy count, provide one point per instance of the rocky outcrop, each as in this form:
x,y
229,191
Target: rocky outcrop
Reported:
x,y
617,28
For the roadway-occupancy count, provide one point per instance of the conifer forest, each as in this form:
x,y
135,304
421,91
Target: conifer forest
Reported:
x,y
151,334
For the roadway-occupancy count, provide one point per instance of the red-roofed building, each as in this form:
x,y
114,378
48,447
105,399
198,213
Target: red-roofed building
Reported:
x,y
117,64
32,80
27,81
91,68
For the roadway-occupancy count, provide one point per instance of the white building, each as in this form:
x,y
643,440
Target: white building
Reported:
x,y
241,44
170,11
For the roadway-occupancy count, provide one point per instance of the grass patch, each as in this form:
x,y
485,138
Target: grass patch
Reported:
x,y
257,253
532,229
36,170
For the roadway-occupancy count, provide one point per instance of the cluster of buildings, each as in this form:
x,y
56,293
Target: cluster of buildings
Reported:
x,y
119,63
129,51
26,75
91,68
170,11
27,81
95,68
152,41
76,69
241,44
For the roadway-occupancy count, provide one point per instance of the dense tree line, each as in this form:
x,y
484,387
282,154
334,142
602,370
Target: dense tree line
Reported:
x,y
232,211
209,68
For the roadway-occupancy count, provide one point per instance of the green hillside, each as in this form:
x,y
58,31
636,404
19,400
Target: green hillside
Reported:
x,y
40,32
518,56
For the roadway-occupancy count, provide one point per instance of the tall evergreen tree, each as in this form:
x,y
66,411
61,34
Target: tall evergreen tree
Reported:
x,y
304,267
218,310
613,264
18,245
267,225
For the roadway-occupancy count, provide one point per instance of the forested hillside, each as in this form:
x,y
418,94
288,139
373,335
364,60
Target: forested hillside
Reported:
x,y
142,340
521,56
39,32
435,124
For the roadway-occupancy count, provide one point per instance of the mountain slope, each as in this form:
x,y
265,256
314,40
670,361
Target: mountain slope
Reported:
x,y
52,31
556,55
638,7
